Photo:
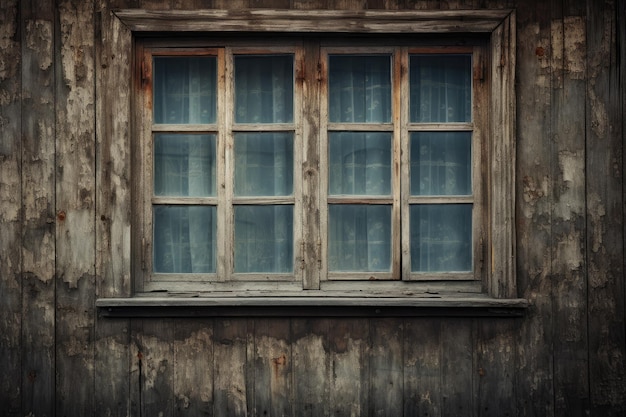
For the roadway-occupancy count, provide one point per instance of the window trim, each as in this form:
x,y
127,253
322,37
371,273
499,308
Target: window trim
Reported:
x,y
499,254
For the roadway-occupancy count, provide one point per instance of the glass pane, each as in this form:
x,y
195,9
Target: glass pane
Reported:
x,y
441,163
264,239
185,89
359,238
441,237
441,88
263,164
184,165
184,239
359,88
359,163
264,89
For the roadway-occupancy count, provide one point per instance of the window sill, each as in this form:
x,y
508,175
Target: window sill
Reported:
x,y
327,305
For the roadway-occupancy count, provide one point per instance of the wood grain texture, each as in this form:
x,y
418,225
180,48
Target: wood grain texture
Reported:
x,y
231,366
534,385
457,367
11,203
320,21
311,367
113,359
38,195
349,377
66,97
75,208
605,212
568,240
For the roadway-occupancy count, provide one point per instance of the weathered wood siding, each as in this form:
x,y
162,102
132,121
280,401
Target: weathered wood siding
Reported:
x,y
65,172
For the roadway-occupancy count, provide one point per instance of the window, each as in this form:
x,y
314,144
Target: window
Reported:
x,y
400,163
369,165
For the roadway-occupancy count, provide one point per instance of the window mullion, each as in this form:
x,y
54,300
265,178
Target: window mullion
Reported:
x,y
404,184
226,100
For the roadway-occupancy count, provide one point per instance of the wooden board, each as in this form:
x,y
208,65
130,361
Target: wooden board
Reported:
x,y
112,45
605,212
533,212
10,204
38,195
75,208
568,240
422,368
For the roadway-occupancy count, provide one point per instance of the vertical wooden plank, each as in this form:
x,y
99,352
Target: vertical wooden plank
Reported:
x,y
10,208
271,373
155,359
38,239
349,383
310,166
231,4
423,4
193,368
502,161
347,4
75,208
605,236
386,367
230,353
309,4
494,372
568,246
113,208
457,367
310,367
270,4
533,212
422,367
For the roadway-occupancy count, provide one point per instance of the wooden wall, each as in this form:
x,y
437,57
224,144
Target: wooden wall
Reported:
x,y
64,233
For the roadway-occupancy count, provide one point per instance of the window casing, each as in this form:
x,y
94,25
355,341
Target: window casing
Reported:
x,y
349,204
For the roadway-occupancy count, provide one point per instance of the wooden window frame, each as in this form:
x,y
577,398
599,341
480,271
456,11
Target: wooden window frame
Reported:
x,y
498,247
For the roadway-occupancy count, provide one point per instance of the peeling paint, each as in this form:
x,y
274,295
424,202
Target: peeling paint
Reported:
x,y
39,39
597,213
571,200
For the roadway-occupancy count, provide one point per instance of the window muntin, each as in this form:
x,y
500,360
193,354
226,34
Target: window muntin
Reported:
x,y
366,149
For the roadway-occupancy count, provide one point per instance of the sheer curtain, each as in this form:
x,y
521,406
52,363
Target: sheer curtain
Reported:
x,y
360,89
264,164
441,163
184,165
359,235
441,88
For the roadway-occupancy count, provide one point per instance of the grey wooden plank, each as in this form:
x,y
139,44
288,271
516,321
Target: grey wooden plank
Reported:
x,y
349,361
271,368
155,342
386,367
494,369
112,369
112,45
311,366
568,245
75,208
457,368
193,368
347,4
264,20
10,204
38,194
422,367
605,212
230,364
534,374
